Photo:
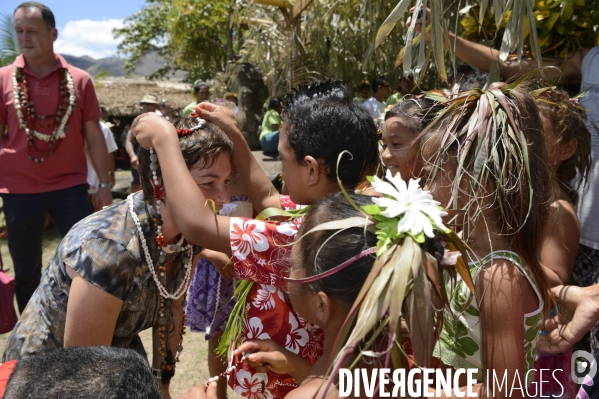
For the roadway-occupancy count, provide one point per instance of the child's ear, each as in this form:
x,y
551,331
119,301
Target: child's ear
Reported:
x,y
568,149
324,308
314,170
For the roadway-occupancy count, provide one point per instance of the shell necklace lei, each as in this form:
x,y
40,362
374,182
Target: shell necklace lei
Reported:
x,y
26,112
167,360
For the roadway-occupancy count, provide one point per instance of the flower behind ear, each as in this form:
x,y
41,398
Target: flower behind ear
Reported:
x,y
411,209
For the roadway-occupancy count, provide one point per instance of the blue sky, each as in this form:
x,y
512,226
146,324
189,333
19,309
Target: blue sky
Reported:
x,y
84,27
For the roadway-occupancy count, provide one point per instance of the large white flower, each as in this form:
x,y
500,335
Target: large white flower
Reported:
x,y
411,203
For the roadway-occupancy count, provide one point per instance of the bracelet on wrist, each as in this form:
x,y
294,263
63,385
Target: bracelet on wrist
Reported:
x,y
105,185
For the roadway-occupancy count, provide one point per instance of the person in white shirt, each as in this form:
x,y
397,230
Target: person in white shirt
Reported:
x,y
376,104
92,177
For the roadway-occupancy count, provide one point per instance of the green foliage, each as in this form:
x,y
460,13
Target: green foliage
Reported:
x,y
198,32
145,32
205,38
562,26
9,48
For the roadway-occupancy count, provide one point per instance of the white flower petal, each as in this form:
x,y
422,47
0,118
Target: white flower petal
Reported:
x,y
397,181
385,188
428,227
405,223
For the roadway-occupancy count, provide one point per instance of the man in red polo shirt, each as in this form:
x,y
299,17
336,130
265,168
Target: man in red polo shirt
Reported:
x,y
47,110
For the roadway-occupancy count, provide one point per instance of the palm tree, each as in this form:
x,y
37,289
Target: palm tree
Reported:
x,y
9,48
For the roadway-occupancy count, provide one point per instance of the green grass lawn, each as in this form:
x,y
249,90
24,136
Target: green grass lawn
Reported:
x,y
193,367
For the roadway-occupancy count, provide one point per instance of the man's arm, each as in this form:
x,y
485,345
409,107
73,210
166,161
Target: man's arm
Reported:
x,y
131,151
482,57
99,157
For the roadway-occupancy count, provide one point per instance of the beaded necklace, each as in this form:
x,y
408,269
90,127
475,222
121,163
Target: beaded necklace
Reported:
x,y
26,112
167,361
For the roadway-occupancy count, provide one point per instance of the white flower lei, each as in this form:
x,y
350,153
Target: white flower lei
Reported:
x,y
60,131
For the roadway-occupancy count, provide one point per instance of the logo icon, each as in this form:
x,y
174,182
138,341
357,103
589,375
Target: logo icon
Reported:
x,y
582,364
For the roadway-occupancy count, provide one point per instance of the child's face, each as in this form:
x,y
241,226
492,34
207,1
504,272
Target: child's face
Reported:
x,y
399,154
214,180
292,172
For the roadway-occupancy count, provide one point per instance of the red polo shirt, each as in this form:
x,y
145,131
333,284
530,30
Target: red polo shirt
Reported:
x,y
67,166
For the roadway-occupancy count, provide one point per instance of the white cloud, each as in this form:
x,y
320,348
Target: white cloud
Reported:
x,y
87,37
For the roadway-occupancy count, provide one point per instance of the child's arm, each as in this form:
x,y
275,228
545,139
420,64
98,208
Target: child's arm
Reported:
x,y
188,205
221,262
258,186
560,242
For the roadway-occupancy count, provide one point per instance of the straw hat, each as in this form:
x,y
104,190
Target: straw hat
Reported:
x,y
149,98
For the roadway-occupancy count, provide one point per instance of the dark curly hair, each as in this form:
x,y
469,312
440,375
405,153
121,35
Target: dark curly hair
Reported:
x,y
323,121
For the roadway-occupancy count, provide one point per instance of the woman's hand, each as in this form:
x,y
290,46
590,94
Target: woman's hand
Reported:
x,y
149,127
267,355
579,311
222,117
201,392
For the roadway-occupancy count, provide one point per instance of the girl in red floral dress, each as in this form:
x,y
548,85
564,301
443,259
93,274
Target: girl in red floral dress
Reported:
x,y
325,138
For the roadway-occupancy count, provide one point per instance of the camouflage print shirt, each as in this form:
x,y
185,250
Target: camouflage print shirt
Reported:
x,y
105,250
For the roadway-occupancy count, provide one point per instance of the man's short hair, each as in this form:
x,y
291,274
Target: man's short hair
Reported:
x,y
83,372
47,14
378,81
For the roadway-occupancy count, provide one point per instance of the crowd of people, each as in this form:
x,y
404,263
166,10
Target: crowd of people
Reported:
x,y
439,231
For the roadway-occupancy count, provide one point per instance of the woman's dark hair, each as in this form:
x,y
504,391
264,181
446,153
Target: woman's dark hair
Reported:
x,y
204,145
274,103
336,246
567,120
417,111
323,122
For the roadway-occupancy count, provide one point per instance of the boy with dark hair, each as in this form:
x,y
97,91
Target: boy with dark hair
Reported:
x,y
320,124
380,91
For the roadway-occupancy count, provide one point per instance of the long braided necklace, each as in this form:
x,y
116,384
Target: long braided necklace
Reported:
x,y
167,360
26,113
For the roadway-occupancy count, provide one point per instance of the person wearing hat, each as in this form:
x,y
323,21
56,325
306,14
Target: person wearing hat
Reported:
x,y
149,103
201,90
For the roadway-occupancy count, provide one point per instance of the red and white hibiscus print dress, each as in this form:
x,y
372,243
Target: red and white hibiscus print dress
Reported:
x,y
261,254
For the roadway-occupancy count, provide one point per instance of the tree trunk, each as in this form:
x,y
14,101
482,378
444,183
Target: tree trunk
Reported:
x,y
252,94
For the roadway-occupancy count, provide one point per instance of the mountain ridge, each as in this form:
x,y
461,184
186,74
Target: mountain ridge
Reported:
x,y
114,66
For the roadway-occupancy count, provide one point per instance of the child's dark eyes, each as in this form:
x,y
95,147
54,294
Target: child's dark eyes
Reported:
x,y
206,185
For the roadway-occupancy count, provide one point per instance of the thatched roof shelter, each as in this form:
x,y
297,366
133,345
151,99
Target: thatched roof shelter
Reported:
x,y
122,95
